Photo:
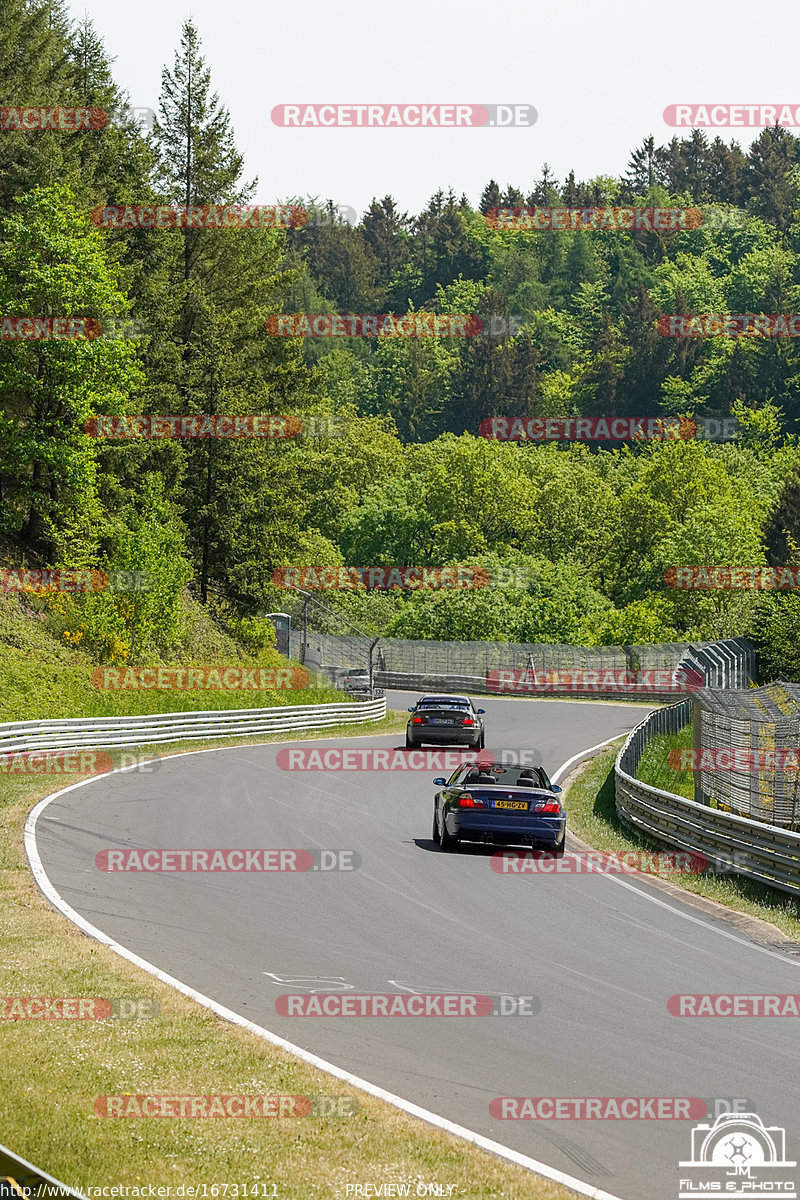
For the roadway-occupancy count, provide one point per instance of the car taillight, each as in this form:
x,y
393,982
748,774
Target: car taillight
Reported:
x,y
548,808
467,801
467,721
417,721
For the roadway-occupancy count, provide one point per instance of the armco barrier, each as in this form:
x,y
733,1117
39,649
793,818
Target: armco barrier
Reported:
x,y
750,848
19,736
20,1180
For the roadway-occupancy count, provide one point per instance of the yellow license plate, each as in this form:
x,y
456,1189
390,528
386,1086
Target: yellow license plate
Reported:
x,y
511,804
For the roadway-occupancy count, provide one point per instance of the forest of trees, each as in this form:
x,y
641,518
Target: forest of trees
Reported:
x,y
589,531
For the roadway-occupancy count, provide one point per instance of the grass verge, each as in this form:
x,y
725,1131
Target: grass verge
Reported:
x,y
41,677
654,767
592,816
55,1069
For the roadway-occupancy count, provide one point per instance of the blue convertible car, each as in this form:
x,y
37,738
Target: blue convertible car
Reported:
x,y
501,803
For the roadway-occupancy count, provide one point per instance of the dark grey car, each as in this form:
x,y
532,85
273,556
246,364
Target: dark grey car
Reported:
x,y
445,720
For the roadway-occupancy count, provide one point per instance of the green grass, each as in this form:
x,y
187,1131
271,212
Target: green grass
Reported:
x,y
654,767
592,816
42,677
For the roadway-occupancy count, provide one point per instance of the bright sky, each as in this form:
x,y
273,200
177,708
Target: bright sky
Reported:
x,y
599,74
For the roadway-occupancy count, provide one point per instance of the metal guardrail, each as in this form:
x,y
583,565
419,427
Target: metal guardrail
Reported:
x,y
21,736
742,846
476,685
21,1179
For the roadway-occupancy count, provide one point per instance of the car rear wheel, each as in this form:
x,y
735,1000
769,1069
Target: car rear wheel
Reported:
x,y
558,850
482,741
435,834
409,743
446,840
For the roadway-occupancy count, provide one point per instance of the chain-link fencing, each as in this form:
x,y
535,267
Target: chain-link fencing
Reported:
x,y
746,752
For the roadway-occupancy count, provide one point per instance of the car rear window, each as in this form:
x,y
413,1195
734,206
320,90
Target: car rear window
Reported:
x,y
507,775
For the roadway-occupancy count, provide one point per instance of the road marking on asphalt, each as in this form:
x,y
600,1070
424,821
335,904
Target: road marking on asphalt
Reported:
x,y
646,893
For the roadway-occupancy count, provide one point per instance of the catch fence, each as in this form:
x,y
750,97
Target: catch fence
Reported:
x,y
485,668
751,740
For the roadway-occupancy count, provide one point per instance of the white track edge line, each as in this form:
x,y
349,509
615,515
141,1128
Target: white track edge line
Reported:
x,y
414,1110
646,890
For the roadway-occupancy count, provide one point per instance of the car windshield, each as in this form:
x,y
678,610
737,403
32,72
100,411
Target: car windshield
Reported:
x,y
443,701
507,775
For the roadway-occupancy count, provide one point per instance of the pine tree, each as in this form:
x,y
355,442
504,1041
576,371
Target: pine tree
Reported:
x,y
726,165
490,197
571,193
35,69
385,231
672,163
642,172
695,156
224,284
771,176
512,198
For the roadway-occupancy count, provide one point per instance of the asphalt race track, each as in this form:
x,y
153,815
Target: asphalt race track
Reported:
x,y
602,955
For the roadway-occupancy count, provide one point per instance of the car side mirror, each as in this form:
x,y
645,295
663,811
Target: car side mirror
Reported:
x,y
440,780
481,711
555,788
411,709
